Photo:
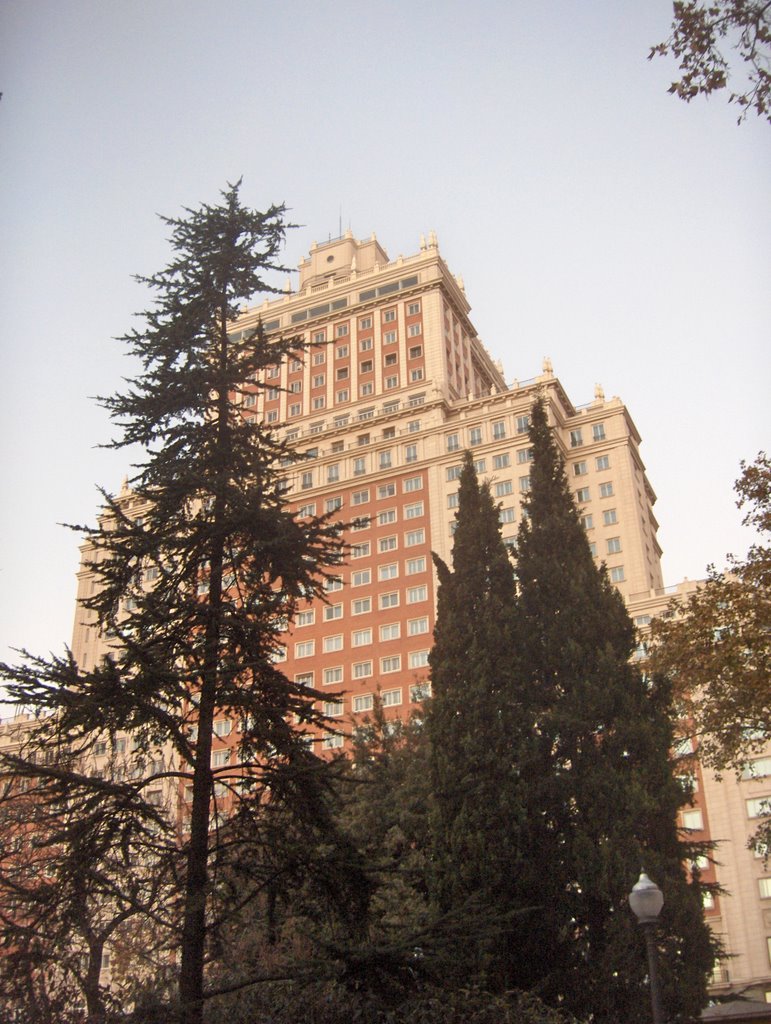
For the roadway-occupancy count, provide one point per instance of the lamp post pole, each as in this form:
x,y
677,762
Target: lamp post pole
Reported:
x,y
646,900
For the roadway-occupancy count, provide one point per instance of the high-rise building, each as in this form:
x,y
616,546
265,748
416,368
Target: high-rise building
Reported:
x,y
393,386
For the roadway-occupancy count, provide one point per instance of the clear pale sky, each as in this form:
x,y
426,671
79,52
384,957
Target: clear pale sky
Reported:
x,y
594,218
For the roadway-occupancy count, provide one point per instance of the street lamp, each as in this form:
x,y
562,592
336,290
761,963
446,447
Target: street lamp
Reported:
x,y
646,900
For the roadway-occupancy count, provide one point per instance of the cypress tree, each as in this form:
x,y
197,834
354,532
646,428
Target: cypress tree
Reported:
x,y
601,797
471,724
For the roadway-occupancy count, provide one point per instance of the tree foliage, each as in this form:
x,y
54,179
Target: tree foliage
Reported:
x,y
701,32
229,564
716,646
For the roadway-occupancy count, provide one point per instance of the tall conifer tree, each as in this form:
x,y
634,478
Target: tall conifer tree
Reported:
x,y
601,797
229,562
471,724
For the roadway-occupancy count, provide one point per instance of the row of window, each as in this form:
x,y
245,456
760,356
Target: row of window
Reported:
x,y
360,637
344,395
359,466
334,675
609,518
584,494
498,433
385,491
582,468
343,419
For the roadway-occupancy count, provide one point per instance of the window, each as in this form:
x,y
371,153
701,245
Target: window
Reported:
x,y
333,504
222,727
361,637
307,479
384,459
475,436
391,664
419,691
365,345
332,611
606,490
413,511
411,453
418,659
390,359
587,522
413,483
693,819
759,768
319,358
341,331
295,387
332,584
342,373
366,389
332,742
319,380
360,466
387,544
387,517
365,323
453,473
360,550
295,366
417,594
388,601
306,618
391,382
602,462
598,432
593,548
389,338
523,424
306,649
386,491
361,522
342,396
609,517
417,626
295,410
416,375
362,578
365,701
764,888
415,351
366,366
416,400
582,494
642,620
415,565
414,537
524,484
272,394
499,430
332,708
389,316
272,416
580,469
413,426
576,438
614,545
390,698
307,510
359,497
333,643
506,515
361,606
391,631
273,372
333,473
617,574
452,500
453,443
501,461
503,488
413,309
333,675
388,572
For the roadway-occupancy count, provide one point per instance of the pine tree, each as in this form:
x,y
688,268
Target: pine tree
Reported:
x,y
230,561
472,723
600,792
